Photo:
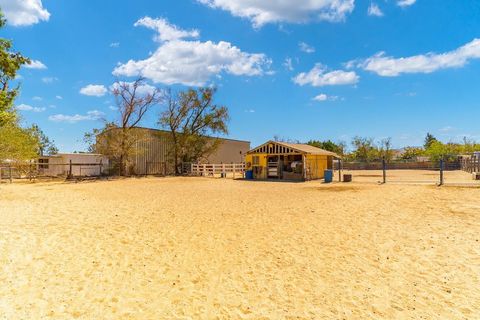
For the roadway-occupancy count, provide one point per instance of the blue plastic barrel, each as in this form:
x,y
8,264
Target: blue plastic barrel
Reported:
x,y
328,174
249,174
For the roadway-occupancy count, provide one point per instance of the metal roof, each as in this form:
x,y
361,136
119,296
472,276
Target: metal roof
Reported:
x,y
300,147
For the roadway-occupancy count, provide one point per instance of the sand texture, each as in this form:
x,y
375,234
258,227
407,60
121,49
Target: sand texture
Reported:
x,y
203,248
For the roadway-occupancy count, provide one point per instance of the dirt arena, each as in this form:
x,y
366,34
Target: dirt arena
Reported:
x,y
203,248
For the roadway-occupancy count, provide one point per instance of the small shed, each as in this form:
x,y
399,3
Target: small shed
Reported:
x,y
82,164
288,161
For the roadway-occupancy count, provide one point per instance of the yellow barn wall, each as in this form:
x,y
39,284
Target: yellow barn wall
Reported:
x,y
316,165
262,163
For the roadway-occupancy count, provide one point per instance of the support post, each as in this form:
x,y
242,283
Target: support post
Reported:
x,y
339,170
384,165
70,173
10,173
234,169
441,172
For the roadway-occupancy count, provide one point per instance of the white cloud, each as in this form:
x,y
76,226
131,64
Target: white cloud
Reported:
x,y
35,64
49,79
59,97
288,64
374,10
261,12
405,3
26,107
319,76
323,97
114,44
192,63
24,12
36,98
306,47
249,111
113,108
94,90
425,63
165,30
89,116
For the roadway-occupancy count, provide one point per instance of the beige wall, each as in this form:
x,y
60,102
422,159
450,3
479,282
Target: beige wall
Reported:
x,y
230,151
59,164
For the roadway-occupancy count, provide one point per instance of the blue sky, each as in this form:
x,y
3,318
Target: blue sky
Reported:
x,y
308,69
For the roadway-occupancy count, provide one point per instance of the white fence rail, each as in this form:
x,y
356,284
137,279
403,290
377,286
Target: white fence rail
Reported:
x,y
222,169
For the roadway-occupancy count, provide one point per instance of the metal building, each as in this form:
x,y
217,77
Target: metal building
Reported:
x,y
153,152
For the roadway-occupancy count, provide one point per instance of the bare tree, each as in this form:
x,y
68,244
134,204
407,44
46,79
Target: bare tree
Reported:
x,y
191,116
117,139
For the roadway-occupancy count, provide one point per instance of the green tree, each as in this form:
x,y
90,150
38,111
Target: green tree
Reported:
x,y
10,62
16,143
429,140
338,148
45,145
192,118
411,153
364,149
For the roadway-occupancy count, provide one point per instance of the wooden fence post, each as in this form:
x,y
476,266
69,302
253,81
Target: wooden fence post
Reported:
x,y
234,170
441,171
384,166
339,170
70,174
10,172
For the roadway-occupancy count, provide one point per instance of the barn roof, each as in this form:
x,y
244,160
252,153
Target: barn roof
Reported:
x,y
298,147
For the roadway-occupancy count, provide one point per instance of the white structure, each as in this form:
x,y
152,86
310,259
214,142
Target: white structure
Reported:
x,y
82,164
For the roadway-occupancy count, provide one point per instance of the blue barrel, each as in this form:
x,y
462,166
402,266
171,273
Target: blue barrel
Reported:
x,y
328,174
249,174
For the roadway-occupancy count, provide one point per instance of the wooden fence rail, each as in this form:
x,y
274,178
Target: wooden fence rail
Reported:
x,y
470,164
211,169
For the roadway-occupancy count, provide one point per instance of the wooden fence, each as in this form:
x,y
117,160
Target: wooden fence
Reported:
x,y
222,169
470,164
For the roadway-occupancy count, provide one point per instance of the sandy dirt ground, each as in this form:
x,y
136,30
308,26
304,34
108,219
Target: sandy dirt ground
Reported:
x,y
203,248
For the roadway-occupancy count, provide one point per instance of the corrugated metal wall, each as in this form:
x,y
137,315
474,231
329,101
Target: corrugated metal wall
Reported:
x,y
152,153
154,147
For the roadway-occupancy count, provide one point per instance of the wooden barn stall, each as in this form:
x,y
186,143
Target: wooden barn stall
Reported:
x,y
288,161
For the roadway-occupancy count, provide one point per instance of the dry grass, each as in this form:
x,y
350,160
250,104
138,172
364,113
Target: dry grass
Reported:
x,y
198,248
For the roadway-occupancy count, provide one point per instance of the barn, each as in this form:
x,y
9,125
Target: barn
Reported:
x,y
288,161
153,152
